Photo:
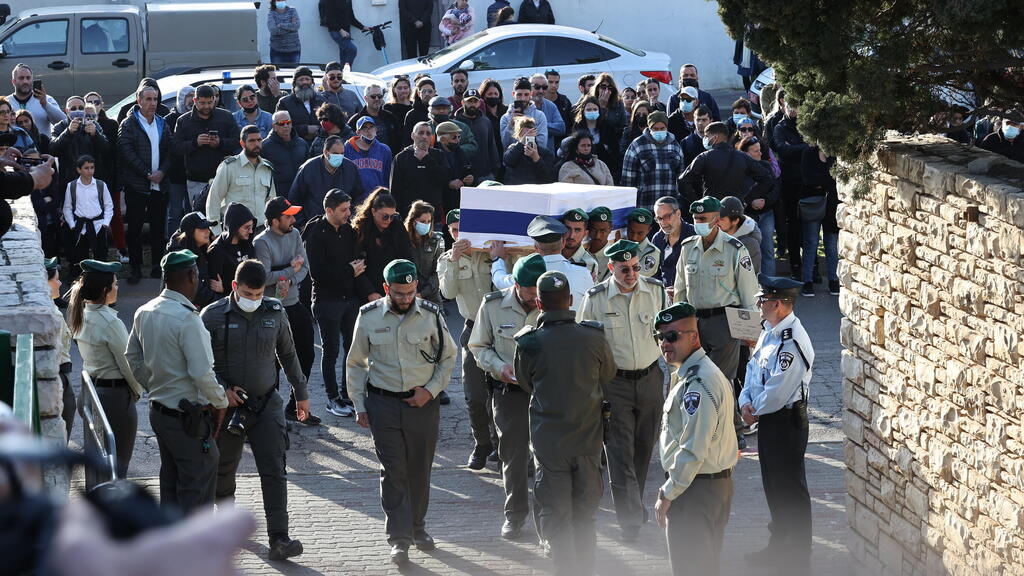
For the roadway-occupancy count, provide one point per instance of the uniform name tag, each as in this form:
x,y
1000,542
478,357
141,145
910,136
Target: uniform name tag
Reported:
x,y
507,326
232,325
268,323
611,313
382,330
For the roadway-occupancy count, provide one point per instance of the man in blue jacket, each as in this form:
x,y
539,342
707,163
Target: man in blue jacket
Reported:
x,y
320,174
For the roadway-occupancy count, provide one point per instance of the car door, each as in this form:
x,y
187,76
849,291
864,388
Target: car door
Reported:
x,y
107,56
44,45
504,61
573,58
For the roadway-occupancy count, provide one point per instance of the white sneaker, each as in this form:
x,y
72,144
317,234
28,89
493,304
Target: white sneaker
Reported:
x,y
339,408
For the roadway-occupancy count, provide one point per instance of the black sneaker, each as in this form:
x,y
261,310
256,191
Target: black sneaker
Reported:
x,y
493,456
282,548
424,542
443,398
311,419
807,290
833,287
399,555
477,460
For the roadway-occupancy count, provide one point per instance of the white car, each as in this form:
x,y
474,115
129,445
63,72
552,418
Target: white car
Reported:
x,y
505,53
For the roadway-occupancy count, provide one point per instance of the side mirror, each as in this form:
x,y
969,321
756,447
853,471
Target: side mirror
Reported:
x,y
467,65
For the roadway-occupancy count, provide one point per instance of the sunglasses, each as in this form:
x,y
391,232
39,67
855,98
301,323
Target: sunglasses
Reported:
x,y
375,96
540,86
95,102
672,335
751,130
246,98
401,76
283,123
333,76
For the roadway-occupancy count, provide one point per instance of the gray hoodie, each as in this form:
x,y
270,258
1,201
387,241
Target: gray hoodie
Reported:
x,y
750,235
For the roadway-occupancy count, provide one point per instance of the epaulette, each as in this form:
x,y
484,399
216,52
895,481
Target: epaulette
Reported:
x,y
693,238
370,305
692,371
652,280
597,289
493,295
593,324
230,159
526,339
735,243
219,303
272,304
431,306
266,163
787,334
575,263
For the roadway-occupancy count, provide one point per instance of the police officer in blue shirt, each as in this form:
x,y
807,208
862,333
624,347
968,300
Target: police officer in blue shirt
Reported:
x,y
775,395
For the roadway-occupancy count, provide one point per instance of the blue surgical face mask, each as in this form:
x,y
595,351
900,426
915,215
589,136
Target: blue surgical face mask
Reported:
x,y
703,228
367,139
1010,132
282,5
659,135
335,160
736,118
687,106
592,114
707,143
422,228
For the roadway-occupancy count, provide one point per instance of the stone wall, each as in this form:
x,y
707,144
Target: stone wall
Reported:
x,y
933,377
26,307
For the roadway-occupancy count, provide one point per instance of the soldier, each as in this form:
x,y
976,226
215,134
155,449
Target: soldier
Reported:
x,y
67,413
169,353
638,229
627,305
249,333
502,315
698,448
466,277
575,221
599,228
564,365
401,359
714,271
245,178
775,395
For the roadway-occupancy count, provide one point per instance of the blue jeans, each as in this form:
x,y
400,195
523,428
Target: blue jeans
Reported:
x,y
766,223
346,48
284,58
177,197
810,231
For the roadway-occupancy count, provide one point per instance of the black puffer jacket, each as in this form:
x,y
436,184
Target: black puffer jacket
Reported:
x,y
223,257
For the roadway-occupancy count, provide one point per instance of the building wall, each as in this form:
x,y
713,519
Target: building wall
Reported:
x,y
933,377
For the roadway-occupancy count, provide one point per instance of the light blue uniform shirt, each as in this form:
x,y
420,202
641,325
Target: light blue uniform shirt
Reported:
x,y
779,370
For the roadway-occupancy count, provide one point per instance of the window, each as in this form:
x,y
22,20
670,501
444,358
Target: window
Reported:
x,y
570,51
48,38
511,53
104,36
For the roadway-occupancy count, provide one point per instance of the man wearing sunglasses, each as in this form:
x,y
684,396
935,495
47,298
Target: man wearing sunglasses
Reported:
x,y
389,128
698,448
722,171
627,304
775,396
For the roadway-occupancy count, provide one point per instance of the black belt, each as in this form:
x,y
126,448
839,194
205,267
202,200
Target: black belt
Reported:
x,y
380,391
723,474
158,407
65,368
635,374
470,323
709,312
109,382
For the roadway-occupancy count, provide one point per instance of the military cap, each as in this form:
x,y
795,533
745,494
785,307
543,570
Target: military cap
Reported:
x,y
364,120
641,215
778,287
440,102
97,266
732,207
52,263
575,215
622,251
545,229
179,260
655,117
600,214
452,217
400,272
527,270
706,204
276,207
675,312
552,281
448,128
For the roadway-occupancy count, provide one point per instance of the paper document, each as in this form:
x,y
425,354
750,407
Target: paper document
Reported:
x,y
743,324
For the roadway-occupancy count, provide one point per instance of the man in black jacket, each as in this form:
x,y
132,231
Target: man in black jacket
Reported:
x,y
77,136
722,171
284,150
232,246
339,288
389,127
419,172
337,16
204,136
302,103
789,147
486,160
415,26
144,146
536,12
693,145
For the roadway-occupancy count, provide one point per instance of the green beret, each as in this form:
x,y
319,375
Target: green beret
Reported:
x,y
706,204
600,214
528,269
575,215
452,217
552,281
97,266
622,251
400,272
52,263
641,215
675,312
179,260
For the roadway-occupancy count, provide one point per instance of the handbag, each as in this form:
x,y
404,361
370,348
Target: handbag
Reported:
x,y
813,209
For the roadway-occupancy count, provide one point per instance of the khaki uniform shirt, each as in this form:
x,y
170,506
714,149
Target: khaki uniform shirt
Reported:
x,y
239,180
467,281
602,263
169,352
386,350
628,320
697,435
581,256
64,355
102,342
492,341
650,258
722,275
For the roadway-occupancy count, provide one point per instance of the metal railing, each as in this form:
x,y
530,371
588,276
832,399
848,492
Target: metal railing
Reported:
x,y
26,396
97,426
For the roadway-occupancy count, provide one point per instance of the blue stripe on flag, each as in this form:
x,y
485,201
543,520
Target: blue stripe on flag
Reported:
x,y
477,220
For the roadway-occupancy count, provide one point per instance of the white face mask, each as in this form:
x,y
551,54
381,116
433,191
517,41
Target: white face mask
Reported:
x,y
246,305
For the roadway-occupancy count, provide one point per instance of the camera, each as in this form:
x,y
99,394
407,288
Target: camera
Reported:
x,y
76,115
30,162
518,106
240,417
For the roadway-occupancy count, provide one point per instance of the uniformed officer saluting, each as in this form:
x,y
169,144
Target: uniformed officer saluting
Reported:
x,y
575,221
565,365
627,305
401,358
502,315
775,395
714,271
698,448
169,353
249,332
548,238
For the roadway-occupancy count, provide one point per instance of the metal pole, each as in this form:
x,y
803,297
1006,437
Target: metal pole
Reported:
x,y
97,425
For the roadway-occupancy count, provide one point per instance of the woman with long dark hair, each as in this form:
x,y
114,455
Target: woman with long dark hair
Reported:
x,y
102,339
420,112
427,246
194,234
637,124
494,106
381,239
399,97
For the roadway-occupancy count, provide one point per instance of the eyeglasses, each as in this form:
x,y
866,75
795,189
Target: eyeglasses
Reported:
x,y
672,335
76,108
283,123
665,217
375,96
540,86
626,269
761,300
4,112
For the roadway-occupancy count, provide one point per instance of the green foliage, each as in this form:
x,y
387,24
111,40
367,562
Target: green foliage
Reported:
x,y
860,67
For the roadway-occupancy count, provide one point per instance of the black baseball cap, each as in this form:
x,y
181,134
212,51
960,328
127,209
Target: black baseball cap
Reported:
x,y
278,206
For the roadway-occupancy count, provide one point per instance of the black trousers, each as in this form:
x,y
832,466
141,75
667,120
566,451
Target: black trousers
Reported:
x,y
782,442
82,246
337,321
145,208
415,41
119,406
188,464
792,185
302,333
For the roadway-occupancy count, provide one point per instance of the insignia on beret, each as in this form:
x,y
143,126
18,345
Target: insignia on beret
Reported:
x,y
785,360
408,278
698,208
691,401
666,317
627,255
604,217
641,218
557,282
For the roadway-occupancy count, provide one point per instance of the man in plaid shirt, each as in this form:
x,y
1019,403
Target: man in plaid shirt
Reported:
x,y
653,162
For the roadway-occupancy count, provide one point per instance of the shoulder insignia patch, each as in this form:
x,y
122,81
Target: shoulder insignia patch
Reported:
x,y
691,402
785,360
592,324
649,261
735,243
746,263
493,295
597,289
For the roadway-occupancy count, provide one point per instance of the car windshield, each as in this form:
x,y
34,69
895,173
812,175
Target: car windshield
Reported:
x,y
621,46
453,48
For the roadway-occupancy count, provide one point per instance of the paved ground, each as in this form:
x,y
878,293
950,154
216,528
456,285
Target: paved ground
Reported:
x,y
334,499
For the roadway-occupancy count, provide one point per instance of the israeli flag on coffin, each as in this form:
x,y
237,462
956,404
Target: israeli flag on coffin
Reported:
x,y
504,212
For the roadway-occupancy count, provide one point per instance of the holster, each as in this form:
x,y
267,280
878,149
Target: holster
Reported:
x,y
195,419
